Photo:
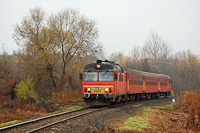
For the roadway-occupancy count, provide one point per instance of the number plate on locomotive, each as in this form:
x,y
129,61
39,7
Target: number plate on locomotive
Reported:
x,y
98,88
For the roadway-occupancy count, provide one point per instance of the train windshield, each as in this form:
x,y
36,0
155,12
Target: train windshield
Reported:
x,y
106,76
90,76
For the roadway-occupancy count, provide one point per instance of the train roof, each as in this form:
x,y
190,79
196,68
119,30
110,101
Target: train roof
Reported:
x,y
104,66
114,67
147,74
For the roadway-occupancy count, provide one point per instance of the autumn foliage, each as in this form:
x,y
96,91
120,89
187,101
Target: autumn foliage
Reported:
x,y
54,50
188,102
25,90
66,98
45,71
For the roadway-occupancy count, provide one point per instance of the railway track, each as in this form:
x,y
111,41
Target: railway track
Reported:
x,y
43,123
48,121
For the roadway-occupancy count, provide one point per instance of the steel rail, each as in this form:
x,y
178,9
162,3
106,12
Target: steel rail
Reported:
x,y
38,119
76,116
65,120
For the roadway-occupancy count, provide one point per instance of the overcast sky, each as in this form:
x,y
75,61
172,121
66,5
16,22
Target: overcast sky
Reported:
x,y
121,23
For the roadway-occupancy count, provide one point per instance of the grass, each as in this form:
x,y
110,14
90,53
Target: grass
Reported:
x,y
137,123
9,123
144,121
77,106
168,107
26,113
182,116
69,107
21,112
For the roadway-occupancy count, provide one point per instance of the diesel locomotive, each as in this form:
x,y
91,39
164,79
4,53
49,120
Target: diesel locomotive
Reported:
x,y
106,82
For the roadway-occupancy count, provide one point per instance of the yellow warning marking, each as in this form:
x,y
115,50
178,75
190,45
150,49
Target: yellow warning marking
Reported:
x,y
97,90
137,105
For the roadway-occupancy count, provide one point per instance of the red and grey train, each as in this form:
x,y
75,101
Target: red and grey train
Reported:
x,y
106,82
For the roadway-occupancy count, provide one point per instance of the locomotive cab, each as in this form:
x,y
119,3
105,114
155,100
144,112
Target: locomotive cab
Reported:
x,y
99,82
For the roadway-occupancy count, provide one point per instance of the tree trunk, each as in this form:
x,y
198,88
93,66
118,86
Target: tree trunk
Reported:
x,y
52,79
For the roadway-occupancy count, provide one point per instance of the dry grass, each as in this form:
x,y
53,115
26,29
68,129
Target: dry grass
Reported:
x,y
21,112
158,119
166,121
5,100
14,110
29,111
172,93
189,103
66,98
183,117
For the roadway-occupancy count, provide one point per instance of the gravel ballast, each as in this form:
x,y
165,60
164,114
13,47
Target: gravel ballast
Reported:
x,y
106,120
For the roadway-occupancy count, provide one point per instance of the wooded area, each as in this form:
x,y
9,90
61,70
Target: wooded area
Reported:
x,y
55,48
157,56
53,51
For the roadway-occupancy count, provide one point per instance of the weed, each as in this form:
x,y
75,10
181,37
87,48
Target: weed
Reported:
x,y
168,107
9,123
137,123
188,102
72,108
48,98
172,93
81,104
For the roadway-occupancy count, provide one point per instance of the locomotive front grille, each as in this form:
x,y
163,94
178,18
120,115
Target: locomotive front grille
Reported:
x,y
98,89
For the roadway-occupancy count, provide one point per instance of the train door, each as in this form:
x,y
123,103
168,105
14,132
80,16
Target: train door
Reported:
x,y
144,83
125,84
121,83
116,83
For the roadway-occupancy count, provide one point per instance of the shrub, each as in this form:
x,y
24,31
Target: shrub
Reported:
x,y
172,93
188,102
25,90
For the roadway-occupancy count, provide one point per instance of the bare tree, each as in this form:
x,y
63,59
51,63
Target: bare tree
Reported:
x,y
135,52
158,51
5,62
135,58
33,36
73,34
117,57
54,42
156,47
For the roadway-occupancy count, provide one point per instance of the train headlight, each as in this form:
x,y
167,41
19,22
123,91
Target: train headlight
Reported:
x,y
106,89
98,66
89,89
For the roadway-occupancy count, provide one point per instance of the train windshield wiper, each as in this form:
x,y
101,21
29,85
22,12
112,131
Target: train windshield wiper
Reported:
x,y
105,72
86,72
